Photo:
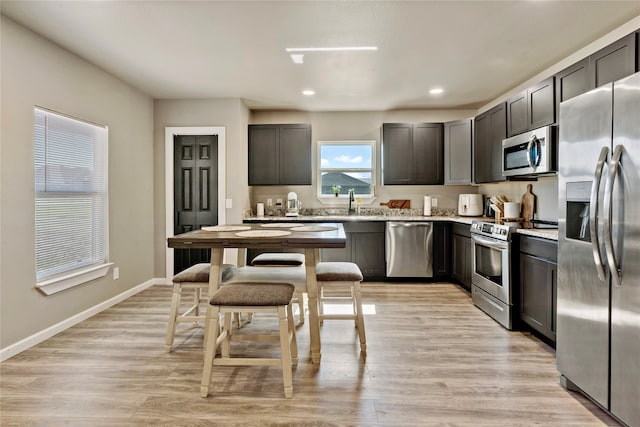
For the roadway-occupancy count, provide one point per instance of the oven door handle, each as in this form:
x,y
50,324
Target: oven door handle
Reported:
x,y
492,243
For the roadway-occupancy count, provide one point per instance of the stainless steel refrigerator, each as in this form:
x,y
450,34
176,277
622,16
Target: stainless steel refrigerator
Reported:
x,y
598,304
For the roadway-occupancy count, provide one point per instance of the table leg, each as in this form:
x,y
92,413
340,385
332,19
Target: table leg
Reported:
x,y
310,259
214,284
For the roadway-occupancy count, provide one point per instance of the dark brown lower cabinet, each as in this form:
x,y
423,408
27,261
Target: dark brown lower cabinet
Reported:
x,y
365,247
538,284
461,254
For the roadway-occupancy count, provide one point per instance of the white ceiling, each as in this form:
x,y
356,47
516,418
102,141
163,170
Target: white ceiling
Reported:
x,y
475,50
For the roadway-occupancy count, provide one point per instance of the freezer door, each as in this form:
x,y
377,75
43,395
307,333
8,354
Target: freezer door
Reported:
x,y
582,346
625,299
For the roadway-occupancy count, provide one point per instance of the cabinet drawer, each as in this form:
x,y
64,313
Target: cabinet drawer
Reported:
x,y
541,248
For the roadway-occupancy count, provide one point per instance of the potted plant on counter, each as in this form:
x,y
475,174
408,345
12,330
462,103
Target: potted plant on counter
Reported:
x,y
336,189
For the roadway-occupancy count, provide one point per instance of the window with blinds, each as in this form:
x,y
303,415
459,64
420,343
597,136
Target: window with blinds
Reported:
x,y
71,197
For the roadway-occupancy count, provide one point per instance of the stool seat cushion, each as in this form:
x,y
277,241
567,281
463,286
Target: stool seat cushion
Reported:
x,y
278,258
200,273
253,294
338,272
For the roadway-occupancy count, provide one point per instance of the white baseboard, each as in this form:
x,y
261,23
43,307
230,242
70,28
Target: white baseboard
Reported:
x,y
45,334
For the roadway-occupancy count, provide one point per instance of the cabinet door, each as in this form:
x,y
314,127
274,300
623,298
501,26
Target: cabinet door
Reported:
x,y
461,259
541,104
498,129
428,154
552,279
295,155
264,161
367,251
482,149
441,249
572,81
614,62
397,150
517,110
458,136
338,254
534,292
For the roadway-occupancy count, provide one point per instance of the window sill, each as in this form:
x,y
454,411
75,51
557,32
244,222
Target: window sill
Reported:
x,y
344,200
59,284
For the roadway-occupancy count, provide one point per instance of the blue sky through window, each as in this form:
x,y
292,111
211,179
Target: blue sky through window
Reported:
x,y
346,156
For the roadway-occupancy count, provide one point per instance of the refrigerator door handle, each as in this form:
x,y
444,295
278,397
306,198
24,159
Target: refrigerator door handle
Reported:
x,y
616,273
593,213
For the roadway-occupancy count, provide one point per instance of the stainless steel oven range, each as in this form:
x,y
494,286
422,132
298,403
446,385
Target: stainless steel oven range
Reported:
x,y
493,281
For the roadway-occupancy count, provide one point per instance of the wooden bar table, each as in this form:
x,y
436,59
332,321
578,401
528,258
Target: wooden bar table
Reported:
x,y
330,235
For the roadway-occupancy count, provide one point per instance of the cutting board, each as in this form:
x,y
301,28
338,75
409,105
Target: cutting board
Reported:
x,y
397,204
528,204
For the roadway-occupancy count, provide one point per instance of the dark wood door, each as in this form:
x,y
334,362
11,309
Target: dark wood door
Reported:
x,y
441,251
458,137
461,259
195,192
428,154
368,253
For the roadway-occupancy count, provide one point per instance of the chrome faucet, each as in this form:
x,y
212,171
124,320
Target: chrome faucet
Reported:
x,y
351,199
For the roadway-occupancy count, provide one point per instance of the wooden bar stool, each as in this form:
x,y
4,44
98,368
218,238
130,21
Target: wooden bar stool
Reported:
x,y
256,298
342,274
194,279
284,259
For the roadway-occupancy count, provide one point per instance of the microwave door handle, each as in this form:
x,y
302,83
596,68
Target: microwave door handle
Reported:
x,y
616,273
593,213
533,142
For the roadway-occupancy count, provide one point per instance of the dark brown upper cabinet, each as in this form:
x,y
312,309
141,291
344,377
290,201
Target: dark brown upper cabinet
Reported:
x,y
413,153
458,138
490,128
280,154
614,62
618,60
531,108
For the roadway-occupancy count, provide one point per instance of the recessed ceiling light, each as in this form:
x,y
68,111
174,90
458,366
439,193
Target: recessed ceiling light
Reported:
x,y
330,49
436,91
308,92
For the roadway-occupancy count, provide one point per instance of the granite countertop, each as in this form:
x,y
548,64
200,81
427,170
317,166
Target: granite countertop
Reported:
x,y
543,233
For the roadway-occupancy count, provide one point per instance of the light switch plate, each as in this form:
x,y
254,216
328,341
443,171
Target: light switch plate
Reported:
x,y
434,202
228,203
116,273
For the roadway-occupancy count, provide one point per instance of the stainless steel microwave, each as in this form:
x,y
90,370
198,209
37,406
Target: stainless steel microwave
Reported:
x,y
530,153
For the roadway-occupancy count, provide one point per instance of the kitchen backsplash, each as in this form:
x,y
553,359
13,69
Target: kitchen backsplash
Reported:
x,y
363,211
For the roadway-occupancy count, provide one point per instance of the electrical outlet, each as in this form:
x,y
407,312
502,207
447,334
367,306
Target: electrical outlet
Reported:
x,y
116,273
434,202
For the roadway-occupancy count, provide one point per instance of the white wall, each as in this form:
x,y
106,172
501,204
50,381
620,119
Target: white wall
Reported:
x,y
230,113
366,125
37,72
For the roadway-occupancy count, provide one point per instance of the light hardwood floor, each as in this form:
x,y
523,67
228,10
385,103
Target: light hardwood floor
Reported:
x,y
432,359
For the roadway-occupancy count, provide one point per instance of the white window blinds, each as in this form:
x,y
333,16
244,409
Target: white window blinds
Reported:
x,y
71,204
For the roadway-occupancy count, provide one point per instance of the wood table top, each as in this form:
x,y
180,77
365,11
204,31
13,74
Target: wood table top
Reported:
x,y
201,239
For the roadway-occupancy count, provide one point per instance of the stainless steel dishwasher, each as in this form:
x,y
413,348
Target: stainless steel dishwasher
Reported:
x,y
409,249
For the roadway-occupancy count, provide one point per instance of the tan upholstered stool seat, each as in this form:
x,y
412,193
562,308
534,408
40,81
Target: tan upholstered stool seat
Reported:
x,y
338,272
195,279
278,259
340,275
257,298
253,294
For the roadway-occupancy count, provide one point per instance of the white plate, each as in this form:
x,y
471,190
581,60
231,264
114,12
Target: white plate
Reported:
x,y
315,228
263,233
226,228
